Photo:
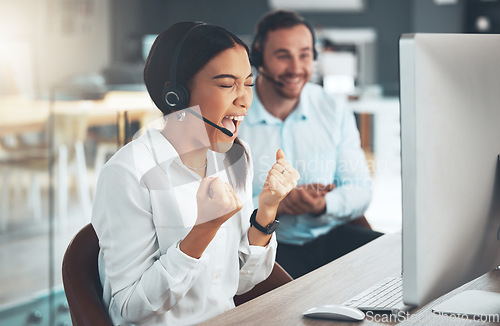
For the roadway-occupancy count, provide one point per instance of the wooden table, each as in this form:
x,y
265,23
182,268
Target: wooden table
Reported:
x,y
20,115
339,281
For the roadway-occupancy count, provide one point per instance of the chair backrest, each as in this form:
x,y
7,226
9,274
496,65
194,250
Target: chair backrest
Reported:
x,y
277,278
81,280
361,221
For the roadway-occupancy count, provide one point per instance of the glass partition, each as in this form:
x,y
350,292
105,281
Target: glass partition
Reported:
x,y
25,223
51,152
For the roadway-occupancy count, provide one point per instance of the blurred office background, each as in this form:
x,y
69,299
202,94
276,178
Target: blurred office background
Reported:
x,y
71,94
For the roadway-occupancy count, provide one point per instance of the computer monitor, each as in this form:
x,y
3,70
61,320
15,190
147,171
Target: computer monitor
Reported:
x,y
450,143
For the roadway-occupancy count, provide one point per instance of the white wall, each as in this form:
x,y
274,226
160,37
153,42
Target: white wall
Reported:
x,y
63,37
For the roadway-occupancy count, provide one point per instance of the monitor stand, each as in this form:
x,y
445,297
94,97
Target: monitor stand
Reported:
x,y
472,303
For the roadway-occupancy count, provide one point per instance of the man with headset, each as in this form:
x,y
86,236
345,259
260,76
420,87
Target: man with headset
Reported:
x,y
321,140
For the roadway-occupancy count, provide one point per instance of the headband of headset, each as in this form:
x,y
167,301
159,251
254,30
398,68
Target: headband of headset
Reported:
x,y
177,96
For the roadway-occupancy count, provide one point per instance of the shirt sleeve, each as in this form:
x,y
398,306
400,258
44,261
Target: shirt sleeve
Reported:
x,y
143,281
256,262
353,190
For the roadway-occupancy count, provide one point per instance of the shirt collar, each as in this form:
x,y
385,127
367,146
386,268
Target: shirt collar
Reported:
x,y
160,148
259,115
165,154
301,111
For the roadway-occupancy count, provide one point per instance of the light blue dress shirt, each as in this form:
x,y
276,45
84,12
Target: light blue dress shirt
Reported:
x,y
320,139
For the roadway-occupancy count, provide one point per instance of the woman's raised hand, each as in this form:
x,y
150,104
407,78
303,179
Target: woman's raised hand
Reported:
x,y
281,179
217,201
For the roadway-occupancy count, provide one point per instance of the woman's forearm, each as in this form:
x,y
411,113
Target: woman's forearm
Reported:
x,y
265,215
198,239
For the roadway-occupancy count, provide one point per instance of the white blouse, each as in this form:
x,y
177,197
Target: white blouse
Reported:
x,y
145,204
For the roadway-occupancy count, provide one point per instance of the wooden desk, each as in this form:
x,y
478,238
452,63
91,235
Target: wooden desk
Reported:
x,y
337,282
334,283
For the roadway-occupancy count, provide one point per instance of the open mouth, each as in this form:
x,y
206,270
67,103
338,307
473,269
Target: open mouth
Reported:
x,y
231,122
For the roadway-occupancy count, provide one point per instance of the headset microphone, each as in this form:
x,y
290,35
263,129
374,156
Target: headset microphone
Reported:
x,y
199,116
271,79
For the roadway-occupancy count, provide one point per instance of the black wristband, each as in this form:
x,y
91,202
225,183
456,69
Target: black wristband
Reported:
x,y
269,229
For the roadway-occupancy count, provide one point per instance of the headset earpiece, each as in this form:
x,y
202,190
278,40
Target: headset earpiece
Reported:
x,y
176,97
255,56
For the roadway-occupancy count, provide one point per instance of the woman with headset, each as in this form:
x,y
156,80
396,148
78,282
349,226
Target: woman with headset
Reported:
x,y
177,228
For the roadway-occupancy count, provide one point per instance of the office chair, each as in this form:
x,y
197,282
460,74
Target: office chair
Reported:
x,y
361,221
81,280
84,290
277,278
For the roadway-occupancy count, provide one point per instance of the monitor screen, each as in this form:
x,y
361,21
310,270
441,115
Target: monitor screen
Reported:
x,y
450,142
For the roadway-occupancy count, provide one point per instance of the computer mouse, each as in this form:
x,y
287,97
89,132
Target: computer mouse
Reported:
x,y
335,312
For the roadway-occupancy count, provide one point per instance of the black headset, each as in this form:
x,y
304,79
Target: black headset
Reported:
x,y
256,55
177,96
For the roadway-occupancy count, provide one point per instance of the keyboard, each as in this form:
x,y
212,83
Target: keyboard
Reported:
x,y
385,297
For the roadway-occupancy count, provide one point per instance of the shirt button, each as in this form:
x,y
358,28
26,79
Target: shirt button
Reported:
x,y
227,308
244,272
218,275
